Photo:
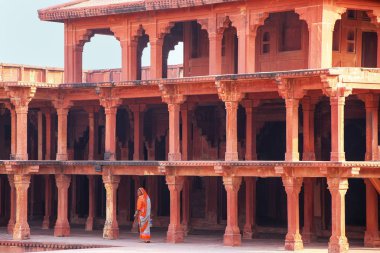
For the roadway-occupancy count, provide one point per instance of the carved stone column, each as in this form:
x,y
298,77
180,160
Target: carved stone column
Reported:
x,y
338,240
91,203
21,230
186,205
155,57
308,108
293,240
371,236
40,135
215,53
62,226
46,220
13,133
12,218
307,230
22,132
111,227
250,130
228,92
91,133
174,99
175,232
138,130
337,93
62,106
250,207
48,131
232,236
110,103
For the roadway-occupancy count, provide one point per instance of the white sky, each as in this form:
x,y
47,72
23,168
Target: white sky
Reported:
x,y
24,39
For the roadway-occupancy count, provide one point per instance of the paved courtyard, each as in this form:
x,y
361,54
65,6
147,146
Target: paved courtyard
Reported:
x,y
199,242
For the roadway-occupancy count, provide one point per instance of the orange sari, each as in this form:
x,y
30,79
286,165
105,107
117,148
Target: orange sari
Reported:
x,y
143,206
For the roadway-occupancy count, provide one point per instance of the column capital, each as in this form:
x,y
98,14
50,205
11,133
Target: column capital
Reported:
x,y
62,181
62,105
228,91
111,180
171,94
135,108
292,184
175,182
337,184
332,87
20,97
313,15
232,183
370,100
107,98
250,103
289,88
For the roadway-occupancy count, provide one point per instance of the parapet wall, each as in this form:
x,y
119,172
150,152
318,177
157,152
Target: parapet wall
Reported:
x,y
15,72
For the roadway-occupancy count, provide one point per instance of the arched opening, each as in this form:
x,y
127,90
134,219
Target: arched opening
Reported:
x,y
143,55
282,43
355,41
101,65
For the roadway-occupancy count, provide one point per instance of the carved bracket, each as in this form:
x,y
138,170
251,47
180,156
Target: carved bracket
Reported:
x,y
289,89
331,87
171,94
228,91
107,99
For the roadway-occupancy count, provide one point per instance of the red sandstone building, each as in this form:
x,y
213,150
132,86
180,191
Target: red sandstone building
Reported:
x,y
273,126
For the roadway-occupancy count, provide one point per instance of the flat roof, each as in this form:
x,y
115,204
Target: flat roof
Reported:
x,y
92,8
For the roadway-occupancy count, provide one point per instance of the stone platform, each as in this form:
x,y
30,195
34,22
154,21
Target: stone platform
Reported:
x,y
200,241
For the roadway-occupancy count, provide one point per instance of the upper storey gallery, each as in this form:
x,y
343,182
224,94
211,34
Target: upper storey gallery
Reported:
x,y
224,36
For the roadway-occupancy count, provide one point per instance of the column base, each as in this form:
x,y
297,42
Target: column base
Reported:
x,y
231,156
308,237
62,157
371,240
293,242
338,245
111,231
21,232
232,239
292,156
89,224
109,156
308,156
248,232
10,227
186,229
174,157
21,157
337,157
61,230
46,222
175,234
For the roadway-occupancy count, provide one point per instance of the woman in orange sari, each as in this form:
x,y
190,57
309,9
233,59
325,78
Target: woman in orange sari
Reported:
x,y
143,214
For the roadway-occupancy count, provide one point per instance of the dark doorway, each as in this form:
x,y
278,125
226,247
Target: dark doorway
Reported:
x,y
369,50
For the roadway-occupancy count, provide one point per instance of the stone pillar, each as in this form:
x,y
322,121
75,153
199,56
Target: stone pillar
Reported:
x,y
46,220
48,135
293,240
250,131
338,188
62,226
138,131
155,57
186,205
73,191
62,108
111,227
307,232
91,134
232,236
337,128
175,232
123,199
308,130
22,133
13,133
185,132
215,53
242,42
91,203
250,207
40,135
21,230
321,27
174,138
371,236
110,109
372,109
291,129
12,218
231,131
